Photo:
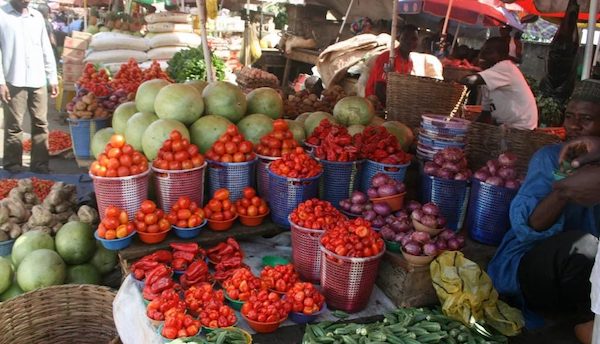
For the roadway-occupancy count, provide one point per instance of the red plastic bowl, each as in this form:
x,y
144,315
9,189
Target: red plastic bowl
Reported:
x,y
221,225
253,221
153,238
262,327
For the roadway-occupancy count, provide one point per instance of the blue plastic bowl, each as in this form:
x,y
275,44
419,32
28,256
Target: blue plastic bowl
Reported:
x,y
6,247
115,244
301,318
188,233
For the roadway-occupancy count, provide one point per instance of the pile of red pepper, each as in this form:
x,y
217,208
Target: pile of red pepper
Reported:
x,y
320,133
142,267
338,145
167,300
185,253
377,144
196,273
227,257
157,281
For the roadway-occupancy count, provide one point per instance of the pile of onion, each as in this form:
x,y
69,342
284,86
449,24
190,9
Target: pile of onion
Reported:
x,y
429,216
449,163
500,172
383,185
357,203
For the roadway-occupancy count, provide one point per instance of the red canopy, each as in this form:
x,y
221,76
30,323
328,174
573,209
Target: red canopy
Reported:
x,y
551,8
471,12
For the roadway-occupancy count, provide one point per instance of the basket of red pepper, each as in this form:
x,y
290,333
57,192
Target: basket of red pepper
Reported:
x,y
141,268
383,153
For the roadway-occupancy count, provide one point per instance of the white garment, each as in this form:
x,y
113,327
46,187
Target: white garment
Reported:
x,y
512,48
26,56
426,65
595,280
508,96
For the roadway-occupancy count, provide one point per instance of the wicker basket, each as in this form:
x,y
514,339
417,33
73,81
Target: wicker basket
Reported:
x,y
409,97
60,314
486,141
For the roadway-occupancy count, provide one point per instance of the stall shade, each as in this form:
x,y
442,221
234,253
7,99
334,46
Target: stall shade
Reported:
x,y
551,8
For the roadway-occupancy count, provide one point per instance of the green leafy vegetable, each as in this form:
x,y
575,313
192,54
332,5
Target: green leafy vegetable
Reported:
x,y
189,64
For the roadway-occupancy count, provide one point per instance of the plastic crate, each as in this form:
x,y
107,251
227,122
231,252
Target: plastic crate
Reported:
x,y
306,255
234,176
488,216
171,185
262,176
82,131
287,193
371,168
339,179
347,282
451,196
127,193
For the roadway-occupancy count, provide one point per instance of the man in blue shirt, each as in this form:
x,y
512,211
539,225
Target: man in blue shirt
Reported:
x,y
545,260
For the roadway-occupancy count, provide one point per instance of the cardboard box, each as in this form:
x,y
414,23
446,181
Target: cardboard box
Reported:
x,y
76,43
73,68
81,35
71,77
73,55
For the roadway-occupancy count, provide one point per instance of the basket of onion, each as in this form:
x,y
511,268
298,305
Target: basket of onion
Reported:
x,y
445,182
492,190
355,205
385,189
428,219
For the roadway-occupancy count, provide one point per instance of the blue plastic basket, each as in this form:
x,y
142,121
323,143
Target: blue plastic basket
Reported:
x,y
451,196
234,176
371,168
188,233
82,131
115,244
262,176
339,179
6,247
488,216
287,193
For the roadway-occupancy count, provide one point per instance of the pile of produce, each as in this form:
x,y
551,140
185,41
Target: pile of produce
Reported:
x,y
150,219
250,204
357,204
320,132
403,325
141,268
378,144
266,307
95,81
449,163
87,106
177,153
185,213
213,313
115,224
316,214
128,78
155,72
241,284
179,325
185,254
353,238
279,278
500,172
58,141
382,185
249,77
278,142
156,281
220,207
305,298
337,145
189,64
41,187
227,257
119,160
231,147
296,165
304,101
195,274
167,302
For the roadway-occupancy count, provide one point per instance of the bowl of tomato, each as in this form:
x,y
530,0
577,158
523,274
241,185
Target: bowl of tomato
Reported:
x,y
153,238
221,225
253,221
235,304
264,327
302,318
115,244
188,233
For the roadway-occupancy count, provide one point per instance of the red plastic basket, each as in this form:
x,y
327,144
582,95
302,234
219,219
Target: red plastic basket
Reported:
x,y
347,282
127,193
305,252
170,185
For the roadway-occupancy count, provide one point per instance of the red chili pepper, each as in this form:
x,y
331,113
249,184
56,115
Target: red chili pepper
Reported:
x,y
186,247
187,256
179,264
161,284
162,256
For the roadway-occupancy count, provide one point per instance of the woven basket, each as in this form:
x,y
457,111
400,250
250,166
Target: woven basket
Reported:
x,y
409,97
79,314
486,141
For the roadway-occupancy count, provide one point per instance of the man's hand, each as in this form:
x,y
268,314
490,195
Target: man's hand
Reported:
x,y
53,91
582,187
4,94
589,143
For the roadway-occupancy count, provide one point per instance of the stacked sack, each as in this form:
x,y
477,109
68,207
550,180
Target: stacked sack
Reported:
x,y
116,48
168,33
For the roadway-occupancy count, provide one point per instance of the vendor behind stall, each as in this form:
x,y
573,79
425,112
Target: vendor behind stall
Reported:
x,y
508,99
545,259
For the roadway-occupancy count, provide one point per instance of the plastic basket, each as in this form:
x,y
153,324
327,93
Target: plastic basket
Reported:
x,y
371,168
170,185
287,193
6,247
309,148
234,176
451,196
82,131
262,176
347,282
306,256
127,193
339,179
488,216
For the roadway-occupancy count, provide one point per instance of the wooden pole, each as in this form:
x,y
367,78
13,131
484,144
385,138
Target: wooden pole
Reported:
x,y
589,44
201,4
394,33
337,39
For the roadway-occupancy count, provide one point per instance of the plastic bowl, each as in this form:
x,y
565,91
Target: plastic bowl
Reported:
x,y
115,244
396,202
221,225
301,318
417,260
419,227
274,260
188,233
206,329
153,238
156,323
235,304
167,340
263,327
392,246
253,221
6,247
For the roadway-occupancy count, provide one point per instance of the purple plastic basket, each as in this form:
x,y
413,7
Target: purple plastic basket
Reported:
x,y
451,196
339,180
234,176
287,193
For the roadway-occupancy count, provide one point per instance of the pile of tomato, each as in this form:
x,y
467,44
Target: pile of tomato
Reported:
x,y
316,214
266,307
231,147
58,141
150,219
208,304
337,145
220,207
353,238
377,144
179,325
155,72
250,204
197,296
305,298
95,81
297,164
277,142
279,278
185,213
168,299
115,224
217,315
177,153
119,159
320,133
240,285
128,78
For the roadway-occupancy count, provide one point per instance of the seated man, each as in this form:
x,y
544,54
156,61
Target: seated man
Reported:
x,y
545,259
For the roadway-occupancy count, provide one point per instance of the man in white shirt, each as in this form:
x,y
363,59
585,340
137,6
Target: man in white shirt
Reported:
x,y
507,99
27,66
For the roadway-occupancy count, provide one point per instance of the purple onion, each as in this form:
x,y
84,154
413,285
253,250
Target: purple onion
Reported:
x,y
441,222
379,179
345,204
438,159
441,245
356,209
369,215
387,233
431,209
496,181
512,184
453,154
401,226
507,159
400,188
358,197
451,166
507,173
446,234
399,237
421,237
413,248
368,206
382,208
453,244
482,174
378,222
429,221
407,237
413,205
386,190
401,213
461,176
493,167
461,240
431,168
445,174
430,249
417,214
372,192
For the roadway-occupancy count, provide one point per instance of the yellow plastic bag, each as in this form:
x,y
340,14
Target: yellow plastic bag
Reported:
x,y
467,294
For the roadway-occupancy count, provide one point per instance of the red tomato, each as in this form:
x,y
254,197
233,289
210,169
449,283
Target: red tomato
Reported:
x,y
184,202
123,218
184,214
245,147
174,165
164,224
123,171
112,211
219,148
221,194
175,135
148,207
226,158
197,160
181,155
150,219
187,165
230,148
248,192
127,149
117,141
239,157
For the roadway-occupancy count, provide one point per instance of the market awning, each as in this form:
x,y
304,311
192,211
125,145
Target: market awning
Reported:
x,y
472,12
552,8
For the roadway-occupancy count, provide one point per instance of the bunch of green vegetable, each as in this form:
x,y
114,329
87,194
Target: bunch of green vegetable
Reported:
x,y
189,64
231,335
550,111
402,326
